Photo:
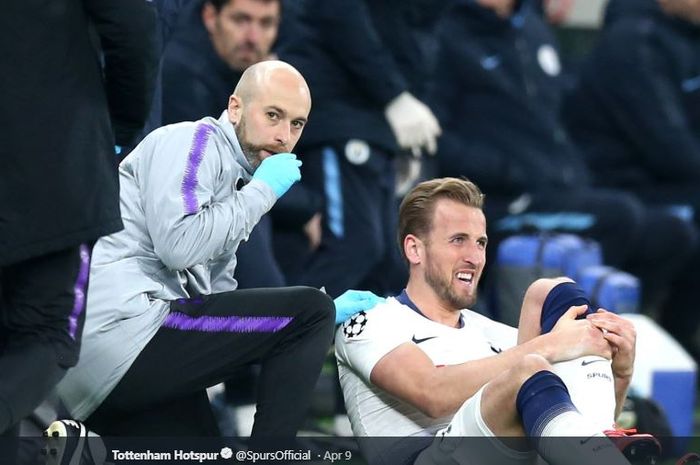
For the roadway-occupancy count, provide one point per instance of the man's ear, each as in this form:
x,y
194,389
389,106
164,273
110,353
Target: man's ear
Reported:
x,y
235,108
209,14
413,249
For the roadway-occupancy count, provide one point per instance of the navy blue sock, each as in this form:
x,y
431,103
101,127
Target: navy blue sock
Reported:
x,y
558,301
542,397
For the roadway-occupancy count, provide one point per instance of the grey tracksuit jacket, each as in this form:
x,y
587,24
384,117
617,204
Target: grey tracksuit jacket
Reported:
x,y
187,200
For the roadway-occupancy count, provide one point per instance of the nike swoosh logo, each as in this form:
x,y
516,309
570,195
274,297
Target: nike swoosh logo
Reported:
x,y
583,441
498,351
588,362
418,341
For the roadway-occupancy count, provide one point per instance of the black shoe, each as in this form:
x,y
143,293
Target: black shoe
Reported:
x,y
67,443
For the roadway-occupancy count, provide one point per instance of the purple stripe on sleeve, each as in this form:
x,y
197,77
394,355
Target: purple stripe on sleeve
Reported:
x,y
226,324
194,159
79,290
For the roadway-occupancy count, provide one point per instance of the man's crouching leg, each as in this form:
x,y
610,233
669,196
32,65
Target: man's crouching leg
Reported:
x,y
290,371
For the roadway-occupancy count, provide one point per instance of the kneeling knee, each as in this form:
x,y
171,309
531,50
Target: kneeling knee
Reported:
x,y
315,303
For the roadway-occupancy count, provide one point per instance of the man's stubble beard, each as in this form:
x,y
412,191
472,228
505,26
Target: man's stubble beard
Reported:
x,y
250,152
444,289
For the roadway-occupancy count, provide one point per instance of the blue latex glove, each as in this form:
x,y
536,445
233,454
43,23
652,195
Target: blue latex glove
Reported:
x,y
352,302
279,172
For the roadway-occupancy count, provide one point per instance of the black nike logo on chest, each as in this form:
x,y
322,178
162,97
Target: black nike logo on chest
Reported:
x,y
423,339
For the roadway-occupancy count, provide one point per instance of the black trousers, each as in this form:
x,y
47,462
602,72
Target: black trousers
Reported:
x,y
42,310
203,342
256,267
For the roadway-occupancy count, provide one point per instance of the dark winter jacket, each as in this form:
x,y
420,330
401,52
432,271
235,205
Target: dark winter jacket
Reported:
x,y
636,110
196,82
497,95
66,100
357,55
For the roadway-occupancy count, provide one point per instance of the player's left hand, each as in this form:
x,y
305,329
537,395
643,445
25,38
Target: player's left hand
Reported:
x,y
352,301
622,336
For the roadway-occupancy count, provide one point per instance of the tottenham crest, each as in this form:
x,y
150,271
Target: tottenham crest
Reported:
x,y
355,325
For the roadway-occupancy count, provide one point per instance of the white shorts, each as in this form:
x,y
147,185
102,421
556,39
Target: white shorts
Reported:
x,y
467,440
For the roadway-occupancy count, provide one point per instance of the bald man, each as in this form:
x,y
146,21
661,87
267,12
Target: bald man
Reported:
x,y
164,320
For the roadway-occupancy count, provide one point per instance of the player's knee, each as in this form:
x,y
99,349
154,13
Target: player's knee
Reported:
x,y
537,291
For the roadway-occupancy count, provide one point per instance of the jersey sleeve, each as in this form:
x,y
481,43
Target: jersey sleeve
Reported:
x,y
366,337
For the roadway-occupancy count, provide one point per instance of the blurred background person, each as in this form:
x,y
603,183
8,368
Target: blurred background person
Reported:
x,y
76,79
213,43
635,113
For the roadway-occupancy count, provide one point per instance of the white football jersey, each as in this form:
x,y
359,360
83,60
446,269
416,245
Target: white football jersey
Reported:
x,y
366,337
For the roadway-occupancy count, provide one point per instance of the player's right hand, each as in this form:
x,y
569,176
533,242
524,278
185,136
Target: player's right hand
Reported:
x,y
279,172
577,338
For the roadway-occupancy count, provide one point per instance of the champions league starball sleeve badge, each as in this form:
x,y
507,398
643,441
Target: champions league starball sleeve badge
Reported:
x,y
355,325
